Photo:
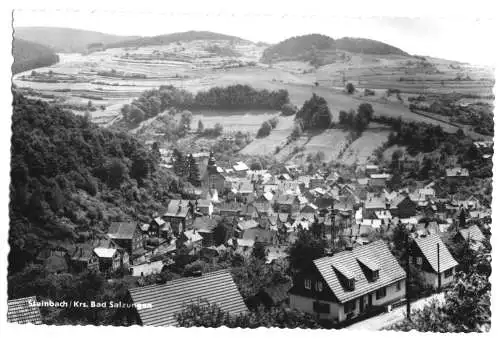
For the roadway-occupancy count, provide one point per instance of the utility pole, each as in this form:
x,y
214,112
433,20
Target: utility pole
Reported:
x,y
408,276
439,269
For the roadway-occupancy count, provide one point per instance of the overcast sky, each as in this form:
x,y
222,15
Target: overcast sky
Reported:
x,y
457,38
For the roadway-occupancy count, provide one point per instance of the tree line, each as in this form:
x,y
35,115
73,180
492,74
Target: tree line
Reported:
x,y
152,102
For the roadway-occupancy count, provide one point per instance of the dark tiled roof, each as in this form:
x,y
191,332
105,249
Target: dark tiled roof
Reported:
x,y
376,254
428,246
168,299
122,230
20,311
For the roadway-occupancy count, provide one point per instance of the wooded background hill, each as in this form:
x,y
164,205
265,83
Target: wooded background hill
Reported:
x,y
66,39
28,55
316,48
173,38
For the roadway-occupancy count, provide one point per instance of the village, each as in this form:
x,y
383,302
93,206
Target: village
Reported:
x,y
239,210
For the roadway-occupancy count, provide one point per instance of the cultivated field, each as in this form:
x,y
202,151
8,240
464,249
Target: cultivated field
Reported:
x,y
363,148
114,77
277,138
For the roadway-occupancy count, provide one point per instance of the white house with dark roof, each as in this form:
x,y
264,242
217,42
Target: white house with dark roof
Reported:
x,y
434,260
349,284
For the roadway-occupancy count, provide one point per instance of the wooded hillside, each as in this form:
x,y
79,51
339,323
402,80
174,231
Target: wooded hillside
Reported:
x,y
70,177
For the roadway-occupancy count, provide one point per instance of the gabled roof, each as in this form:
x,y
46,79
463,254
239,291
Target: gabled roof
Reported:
x,y
122,230
168,299
375,202
159,221
472,233
204,224
20,311
375,253
106,253
244,225
177,208
428,246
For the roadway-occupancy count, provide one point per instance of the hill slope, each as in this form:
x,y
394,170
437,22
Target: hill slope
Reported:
x,y
70,178
173,38
29,55
320,49
66,39
367,46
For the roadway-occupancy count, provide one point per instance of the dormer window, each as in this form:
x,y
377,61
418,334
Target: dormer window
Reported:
x,y
375,275
350,284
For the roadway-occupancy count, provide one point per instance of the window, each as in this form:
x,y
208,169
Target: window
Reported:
x,y
349,284
419,260
319,286
398,285
448,273
321,307
410,259
381,293
349,306
307,284
375,275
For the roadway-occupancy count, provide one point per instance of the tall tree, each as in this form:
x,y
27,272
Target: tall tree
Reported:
x,y
193,171
179,163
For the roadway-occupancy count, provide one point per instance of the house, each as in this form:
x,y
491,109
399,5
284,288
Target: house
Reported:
x,y
403,207
373,204
371,169
23,310
155,227
193,240
316,182
435,261
179,215
204,206
105,243
205,226
83,258
241,168
349,284
271,296
456,174
147,268
288,204
467,202
378,179
230,209
109,259
473,236
213,177
264,236
162,302
127,235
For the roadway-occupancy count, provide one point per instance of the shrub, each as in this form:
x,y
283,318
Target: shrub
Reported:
x,y
288,109
350,88
264,130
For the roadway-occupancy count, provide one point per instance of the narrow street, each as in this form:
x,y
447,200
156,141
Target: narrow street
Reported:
x,y
387,319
